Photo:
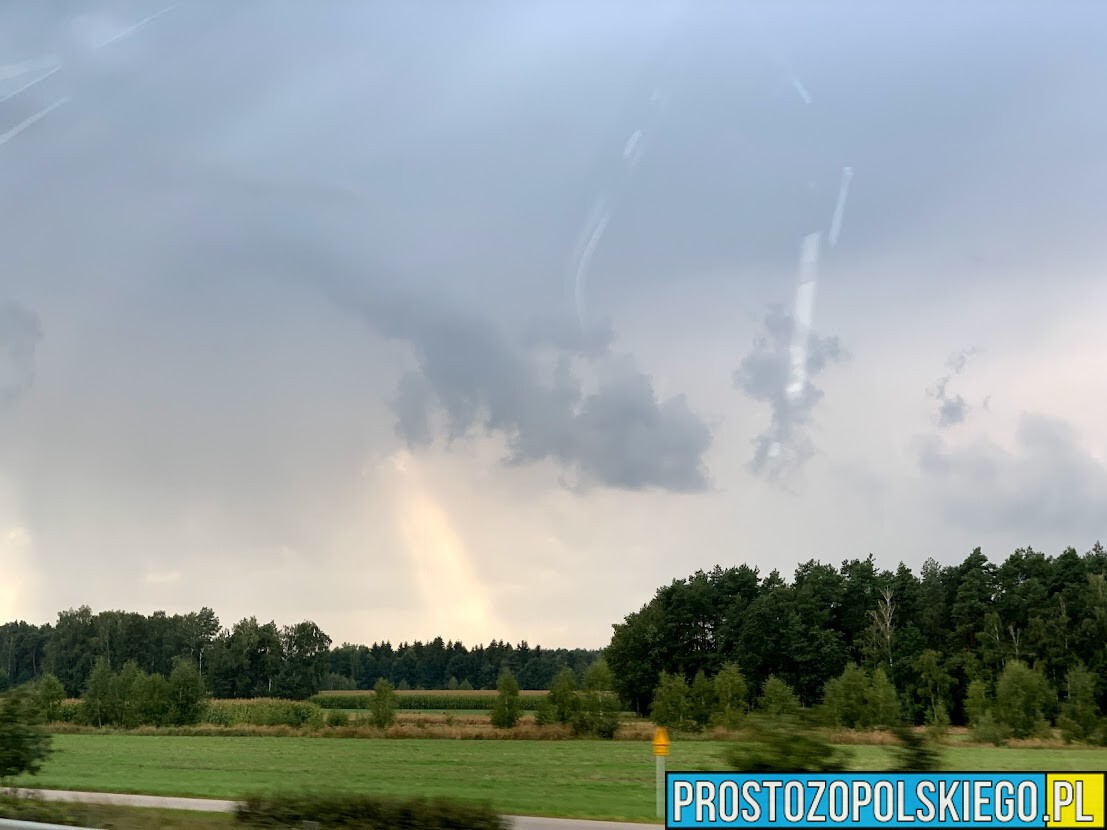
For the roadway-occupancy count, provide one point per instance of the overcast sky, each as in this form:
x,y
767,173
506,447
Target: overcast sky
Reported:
x,y
480,319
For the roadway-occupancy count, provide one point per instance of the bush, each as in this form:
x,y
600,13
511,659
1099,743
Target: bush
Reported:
x,y
187,694
545,714
336,717
672,703
382,706
916,752
702,697
32,807
597,715
563,695
24,745
778,700
1079,720
882,706
365,812
784,745
508,708
49,695
730,695
989,730
263,712
1023,697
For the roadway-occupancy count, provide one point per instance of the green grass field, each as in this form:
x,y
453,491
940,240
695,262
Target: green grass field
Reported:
x,y
580,779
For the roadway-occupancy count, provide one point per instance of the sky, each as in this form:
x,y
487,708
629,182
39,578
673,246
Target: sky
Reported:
x,y
486,320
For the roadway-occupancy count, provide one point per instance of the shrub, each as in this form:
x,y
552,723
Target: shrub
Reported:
x,y
1079,718
989,730
563,695
778,700
784,745
49,694
882,707
672,703
916,752
730,696
702,698
545,714
507,709
1023,697
336,717
187,694
33,807
382,707
365,812
844,698
24,745
597,714
263,712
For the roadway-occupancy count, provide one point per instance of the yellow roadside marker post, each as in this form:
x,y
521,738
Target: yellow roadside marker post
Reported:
x,y
660,750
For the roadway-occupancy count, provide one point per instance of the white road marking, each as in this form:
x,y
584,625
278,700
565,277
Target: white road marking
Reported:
x,y
29,84
27,122
132,29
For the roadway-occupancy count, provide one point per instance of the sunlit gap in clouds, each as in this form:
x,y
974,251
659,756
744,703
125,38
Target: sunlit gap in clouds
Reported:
x,y
18,596
454,599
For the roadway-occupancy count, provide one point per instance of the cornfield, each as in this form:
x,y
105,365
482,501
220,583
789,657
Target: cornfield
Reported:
x,y
445,700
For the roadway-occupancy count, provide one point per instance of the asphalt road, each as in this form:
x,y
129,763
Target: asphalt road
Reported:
x,y
214,806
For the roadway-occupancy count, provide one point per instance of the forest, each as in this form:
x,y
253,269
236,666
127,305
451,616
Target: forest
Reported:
x,y
252,659
940,636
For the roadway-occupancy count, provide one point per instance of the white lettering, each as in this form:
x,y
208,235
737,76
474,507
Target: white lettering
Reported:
x,y
682,797
1005,801
749,795
813,814
903,817
1061,801
771,787
841,814
862,797
980,801
1028,807
728,790
947,812
705,801
921,790
793,802
1081,816
882,808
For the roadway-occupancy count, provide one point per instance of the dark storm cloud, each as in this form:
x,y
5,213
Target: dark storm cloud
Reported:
x,y
20,334
764,375
620,435
952,409
1046,483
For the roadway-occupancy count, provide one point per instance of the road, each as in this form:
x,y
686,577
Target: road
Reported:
x,y
215,806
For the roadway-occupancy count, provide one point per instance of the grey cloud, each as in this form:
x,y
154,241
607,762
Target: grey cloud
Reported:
x,y
763,375
620,435
952,409
20,334
1046,483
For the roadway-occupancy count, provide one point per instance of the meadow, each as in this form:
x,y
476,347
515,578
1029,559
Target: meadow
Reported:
x,y
577,779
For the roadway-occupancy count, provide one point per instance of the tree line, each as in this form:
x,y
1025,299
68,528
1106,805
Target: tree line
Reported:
x,y
252,659
947,642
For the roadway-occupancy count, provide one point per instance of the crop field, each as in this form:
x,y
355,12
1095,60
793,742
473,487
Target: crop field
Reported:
x,y
581,779
481,700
